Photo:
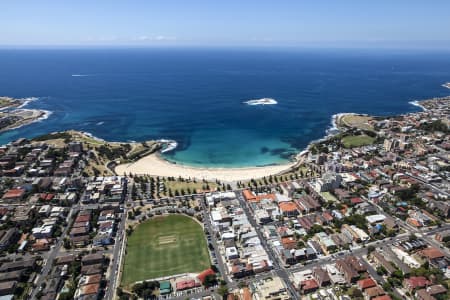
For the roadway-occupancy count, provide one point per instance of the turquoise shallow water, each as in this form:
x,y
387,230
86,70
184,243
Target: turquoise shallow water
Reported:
x,y
195,96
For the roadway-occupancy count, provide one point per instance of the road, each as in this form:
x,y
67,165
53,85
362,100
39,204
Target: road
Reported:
x,y
211,230
119,247
281,272
53,253
116,259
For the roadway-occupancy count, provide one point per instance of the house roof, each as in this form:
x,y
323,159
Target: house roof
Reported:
x,y
7,285
424,295
374,291
93,256
248,195
185,284
96,278
436,289
414,222
14,193
321,274
309,284
432,253
164,285
366,283
90,289
417,281
287,206
356,200
82,218
288,240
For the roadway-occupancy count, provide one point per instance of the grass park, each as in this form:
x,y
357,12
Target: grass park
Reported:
x,y
356,121
163,246
352,141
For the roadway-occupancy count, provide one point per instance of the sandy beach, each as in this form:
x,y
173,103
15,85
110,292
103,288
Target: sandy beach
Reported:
x,y
155,165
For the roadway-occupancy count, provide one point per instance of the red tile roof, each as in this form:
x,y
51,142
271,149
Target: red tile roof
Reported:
x,y
249,196
413,222
309,284
432,253
289,243
287,206
417,281
366,283
91,289
186,284
14,193
83,218
356,200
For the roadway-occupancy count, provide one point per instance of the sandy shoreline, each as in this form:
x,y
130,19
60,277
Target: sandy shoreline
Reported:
x,y
153,164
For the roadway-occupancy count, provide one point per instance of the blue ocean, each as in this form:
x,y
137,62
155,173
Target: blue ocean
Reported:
x,y
195,96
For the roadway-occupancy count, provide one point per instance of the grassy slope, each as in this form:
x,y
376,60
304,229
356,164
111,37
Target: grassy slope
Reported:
x,y
147,259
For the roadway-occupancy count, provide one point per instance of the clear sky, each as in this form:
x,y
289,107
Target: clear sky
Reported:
x,y
226,23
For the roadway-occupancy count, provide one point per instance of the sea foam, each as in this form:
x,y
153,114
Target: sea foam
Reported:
x,y
26,101
416,103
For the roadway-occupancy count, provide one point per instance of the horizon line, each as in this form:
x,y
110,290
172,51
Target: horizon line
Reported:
x,y
317,46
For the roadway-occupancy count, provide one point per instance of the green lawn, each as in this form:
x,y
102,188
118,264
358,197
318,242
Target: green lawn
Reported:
x,y
357,140
163,246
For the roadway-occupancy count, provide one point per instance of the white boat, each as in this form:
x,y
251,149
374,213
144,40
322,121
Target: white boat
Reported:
x,y
262,101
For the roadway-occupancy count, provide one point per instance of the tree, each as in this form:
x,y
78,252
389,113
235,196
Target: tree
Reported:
x,y
65,296
210,280
67,244
223,290
387,287
370,249
356,294
381,270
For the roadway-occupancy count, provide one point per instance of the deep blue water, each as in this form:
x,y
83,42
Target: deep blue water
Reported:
x,y
195,95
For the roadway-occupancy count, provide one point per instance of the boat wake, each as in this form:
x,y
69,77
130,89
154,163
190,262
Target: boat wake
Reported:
x,y
80,75
262,101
